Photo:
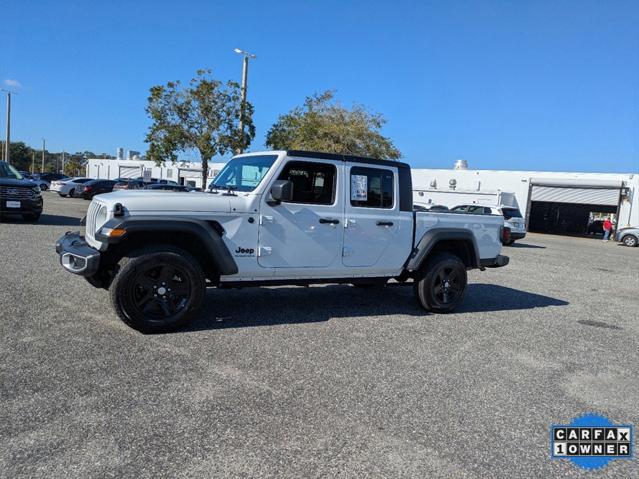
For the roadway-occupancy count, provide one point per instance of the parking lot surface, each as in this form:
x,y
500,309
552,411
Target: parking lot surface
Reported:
x,y
315,382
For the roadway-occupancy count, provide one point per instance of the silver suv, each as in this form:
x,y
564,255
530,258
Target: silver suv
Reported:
x,y
512,217
628,236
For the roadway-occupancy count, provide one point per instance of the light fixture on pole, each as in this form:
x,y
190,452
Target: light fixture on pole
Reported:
x,y
245,63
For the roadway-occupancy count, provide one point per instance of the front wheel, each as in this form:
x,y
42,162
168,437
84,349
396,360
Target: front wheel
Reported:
x,y
630,241
71,192
442,285
158,289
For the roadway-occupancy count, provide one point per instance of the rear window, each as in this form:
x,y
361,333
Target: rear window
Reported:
x,y
510,213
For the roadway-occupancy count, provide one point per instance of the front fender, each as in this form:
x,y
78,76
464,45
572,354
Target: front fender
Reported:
x,y
208,232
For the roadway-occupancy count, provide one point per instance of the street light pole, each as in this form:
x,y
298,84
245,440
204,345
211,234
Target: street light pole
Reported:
x,y
43,147
7,149
245,64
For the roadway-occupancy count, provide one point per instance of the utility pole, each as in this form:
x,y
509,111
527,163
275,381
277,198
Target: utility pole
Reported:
x,y
43,147
32,161
7,149
245,64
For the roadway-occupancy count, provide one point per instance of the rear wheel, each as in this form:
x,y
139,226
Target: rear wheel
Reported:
x,y
158,289
442,286
630,240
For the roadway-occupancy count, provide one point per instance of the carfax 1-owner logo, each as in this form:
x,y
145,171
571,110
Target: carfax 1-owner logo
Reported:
x,y
591,441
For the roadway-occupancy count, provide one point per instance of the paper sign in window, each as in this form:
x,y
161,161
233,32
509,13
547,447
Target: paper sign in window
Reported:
x,y
359,187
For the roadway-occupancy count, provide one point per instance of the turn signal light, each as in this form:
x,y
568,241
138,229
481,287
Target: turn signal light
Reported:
x,y
113,232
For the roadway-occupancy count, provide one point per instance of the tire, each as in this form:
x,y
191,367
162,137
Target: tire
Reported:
x,y
44,187
71,192
31,216
630,240
63,195
443,267
148,276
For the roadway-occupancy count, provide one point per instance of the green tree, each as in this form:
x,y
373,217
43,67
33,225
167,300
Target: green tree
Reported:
x,y
323,124
203,116
73,166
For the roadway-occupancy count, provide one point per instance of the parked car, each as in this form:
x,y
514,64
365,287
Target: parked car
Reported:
x,y
169,187
283,217
18,196
430,207
628,236
512,218
68,187
595,228
93,188
156,180
49,177
128,185
43,185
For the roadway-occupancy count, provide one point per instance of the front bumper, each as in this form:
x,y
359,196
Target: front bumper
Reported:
x,y
496,262
26,205
76,256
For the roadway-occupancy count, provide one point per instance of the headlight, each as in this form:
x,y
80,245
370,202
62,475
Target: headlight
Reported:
x,y
36,190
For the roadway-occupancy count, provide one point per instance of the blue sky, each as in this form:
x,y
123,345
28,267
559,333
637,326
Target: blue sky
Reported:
x,y
547,85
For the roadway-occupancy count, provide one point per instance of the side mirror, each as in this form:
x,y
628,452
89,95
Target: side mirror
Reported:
x,y
282,190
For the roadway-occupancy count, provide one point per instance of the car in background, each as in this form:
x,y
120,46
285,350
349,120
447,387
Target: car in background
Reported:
x,y
430,207
167,187
43,185
18,196
512,218
595,228
628,236
49,177
68,187
93,188
155,180
128,185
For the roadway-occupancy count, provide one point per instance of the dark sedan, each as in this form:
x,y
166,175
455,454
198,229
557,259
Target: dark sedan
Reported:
x,y
169,187
94,187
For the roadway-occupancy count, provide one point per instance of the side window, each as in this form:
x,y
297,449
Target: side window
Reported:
x,y
372,187
313,183
476,210
459,209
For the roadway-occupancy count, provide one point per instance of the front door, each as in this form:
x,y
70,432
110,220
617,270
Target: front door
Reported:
x,y
305,232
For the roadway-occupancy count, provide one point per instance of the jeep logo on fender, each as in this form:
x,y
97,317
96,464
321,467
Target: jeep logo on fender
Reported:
x,y
244,251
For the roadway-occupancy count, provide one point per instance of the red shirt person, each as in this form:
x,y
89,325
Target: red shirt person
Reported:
x,y
607,227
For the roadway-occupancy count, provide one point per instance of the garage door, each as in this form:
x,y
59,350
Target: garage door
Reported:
x,y
129,172
600,193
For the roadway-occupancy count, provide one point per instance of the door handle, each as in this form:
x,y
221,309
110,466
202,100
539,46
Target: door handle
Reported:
x,y
384,223
329,221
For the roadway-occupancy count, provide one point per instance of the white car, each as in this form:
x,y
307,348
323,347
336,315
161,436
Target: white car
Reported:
x,y
68,187
512,218
271,218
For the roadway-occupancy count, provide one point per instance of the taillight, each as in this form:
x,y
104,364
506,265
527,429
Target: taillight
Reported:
x,y
87,188
505,234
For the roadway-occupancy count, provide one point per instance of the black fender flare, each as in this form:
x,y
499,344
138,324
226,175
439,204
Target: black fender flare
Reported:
x,y
434,236
208,232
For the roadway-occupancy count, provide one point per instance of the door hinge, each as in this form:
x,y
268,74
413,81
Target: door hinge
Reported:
x,y
266,219
264,251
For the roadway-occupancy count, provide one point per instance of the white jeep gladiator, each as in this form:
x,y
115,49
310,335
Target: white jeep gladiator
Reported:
x,y
271,218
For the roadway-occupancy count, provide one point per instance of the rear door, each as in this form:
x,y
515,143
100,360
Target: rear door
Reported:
x,y
372,220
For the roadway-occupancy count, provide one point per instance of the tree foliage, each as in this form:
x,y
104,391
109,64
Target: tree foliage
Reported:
x,y
322,124
22,156
203,116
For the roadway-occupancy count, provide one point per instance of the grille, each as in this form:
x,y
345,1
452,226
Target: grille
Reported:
x,y
16,193
96,217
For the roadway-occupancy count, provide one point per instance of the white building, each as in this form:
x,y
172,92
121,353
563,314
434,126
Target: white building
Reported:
x,y
550,201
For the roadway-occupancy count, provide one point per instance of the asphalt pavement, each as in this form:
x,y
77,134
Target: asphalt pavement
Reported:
x,y
327,381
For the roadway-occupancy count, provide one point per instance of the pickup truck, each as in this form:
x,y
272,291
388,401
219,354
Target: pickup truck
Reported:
x,y
273,218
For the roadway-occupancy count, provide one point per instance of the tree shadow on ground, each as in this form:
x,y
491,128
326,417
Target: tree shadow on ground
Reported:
x,y
249,307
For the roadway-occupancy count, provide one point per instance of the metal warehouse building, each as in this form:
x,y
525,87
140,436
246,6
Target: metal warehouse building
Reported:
x,y
557,202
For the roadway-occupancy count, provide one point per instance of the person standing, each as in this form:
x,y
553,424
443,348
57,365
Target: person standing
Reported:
x,y
607,227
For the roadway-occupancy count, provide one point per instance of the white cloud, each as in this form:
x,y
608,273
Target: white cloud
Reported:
x,y
12,83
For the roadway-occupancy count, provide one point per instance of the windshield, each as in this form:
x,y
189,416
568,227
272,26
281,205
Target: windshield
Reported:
x,y
8,171
511,213
244,173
